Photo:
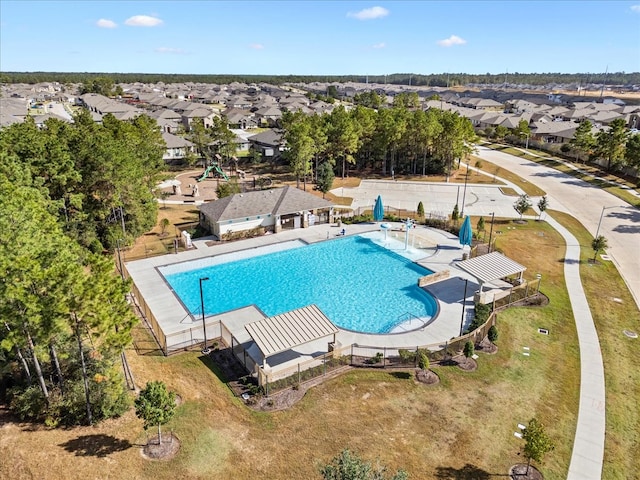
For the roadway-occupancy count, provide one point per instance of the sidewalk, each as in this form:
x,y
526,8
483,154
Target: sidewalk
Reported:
x,y
588,445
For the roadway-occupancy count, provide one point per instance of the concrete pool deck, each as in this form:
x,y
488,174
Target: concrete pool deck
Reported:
x,y
433,249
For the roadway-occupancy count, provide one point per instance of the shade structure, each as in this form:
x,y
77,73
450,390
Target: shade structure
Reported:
x,y
466,233
378,210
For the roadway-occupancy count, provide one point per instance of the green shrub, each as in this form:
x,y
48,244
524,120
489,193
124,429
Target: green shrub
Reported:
x,y
493,334
468,349
423,362
406,356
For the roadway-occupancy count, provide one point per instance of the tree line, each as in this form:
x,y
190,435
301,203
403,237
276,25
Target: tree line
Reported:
x,y
428,80
396,140
68,192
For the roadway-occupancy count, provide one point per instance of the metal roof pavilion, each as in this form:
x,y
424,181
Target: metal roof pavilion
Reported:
x,y
283,332
491,266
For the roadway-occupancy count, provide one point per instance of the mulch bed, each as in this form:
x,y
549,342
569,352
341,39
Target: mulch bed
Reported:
x,y
427,377
519,472
464,363
165,451
233,373
486,346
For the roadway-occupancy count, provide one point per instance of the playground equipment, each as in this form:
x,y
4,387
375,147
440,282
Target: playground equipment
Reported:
x,y
215,167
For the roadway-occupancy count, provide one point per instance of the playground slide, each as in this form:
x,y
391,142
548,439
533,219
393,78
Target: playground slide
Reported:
x,y
221,173
206,173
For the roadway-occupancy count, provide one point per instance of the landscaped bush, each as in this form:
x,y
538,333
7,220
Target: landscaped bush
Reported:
x,y
364,218
482,312
493,334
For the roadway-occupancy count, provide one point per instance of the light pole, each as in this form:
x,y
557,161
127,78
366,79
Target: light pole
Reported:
x,y
464,301
205,350
491,231
539,277
600,221
464,193
120,257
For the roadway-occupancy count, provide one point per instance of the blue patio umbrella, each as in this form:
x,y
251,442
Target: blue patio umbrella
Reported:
x,y
378,210
466,233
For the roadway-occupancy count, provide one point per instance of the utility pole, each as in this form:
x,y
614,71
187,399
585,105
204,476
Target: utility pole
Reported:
x,y
606,71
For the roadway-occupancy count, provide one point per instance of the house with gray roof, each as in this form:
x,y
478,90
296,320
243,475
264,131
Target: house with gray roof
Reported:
x,y
272,210
177,148
269,143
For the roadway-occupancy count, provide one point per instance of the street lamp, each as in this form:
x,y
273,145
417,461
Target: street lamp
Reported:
x,y
464,193
464,301
600,221
205,350
491,231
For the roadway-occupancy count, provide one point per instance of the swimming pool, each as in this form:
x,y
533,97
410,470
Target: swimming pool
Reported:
x,y
358,284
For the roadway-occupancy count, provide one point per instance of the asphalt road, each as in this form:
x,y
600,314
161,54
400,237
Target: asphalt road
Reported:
x,y
620,223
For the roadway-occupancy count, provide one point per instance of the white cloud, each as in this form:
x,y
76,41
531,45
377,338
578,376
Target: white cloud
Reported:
x,y
369,13
143,21
256,46
452,40
635,8
379,45
104,23
176,51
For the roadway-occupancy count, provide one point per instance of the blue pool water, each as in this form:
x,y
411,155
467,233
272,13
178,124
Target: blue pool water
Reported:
x,y
359,285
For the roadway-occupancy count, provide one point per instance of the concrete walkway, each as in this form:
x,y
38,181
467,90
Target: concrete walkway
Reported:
x,y
588,445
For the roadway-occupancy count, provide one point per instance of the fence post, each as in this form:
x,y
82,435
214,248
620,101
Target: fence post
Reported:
x,y
351,361
526,290
298,373
510,292
325,364
415,359
384,356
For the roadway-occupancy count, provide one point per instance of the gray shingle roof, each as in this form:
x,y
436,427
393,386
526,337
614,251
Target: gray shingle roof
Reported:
x,y
277,201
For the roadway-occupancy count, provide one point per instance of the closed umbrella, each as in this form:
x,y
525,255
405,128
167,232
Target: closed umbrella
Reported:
x,y
466,233
378,210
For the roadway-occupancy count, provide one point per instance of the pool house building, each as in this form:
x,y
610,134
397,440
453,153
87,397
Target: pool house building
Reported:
x,y
271,210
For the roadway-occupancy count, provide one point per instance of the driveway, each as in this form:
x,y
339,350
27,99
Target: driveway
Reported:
x,y
620,222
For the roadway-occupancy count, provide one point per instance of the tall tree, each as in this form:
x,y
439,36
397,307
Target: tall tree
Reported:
x,y
300,145
583,140
325,177
342,137
610,143
632,151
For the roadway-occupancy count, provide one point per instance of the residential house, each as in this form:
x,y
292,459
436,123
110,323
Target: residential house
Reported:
x,y
273,210
177,148
269,143
204,114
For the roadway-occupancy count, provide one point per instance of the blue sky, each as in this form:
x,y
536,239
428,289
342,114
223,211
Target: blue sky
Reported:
x,y
320,38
